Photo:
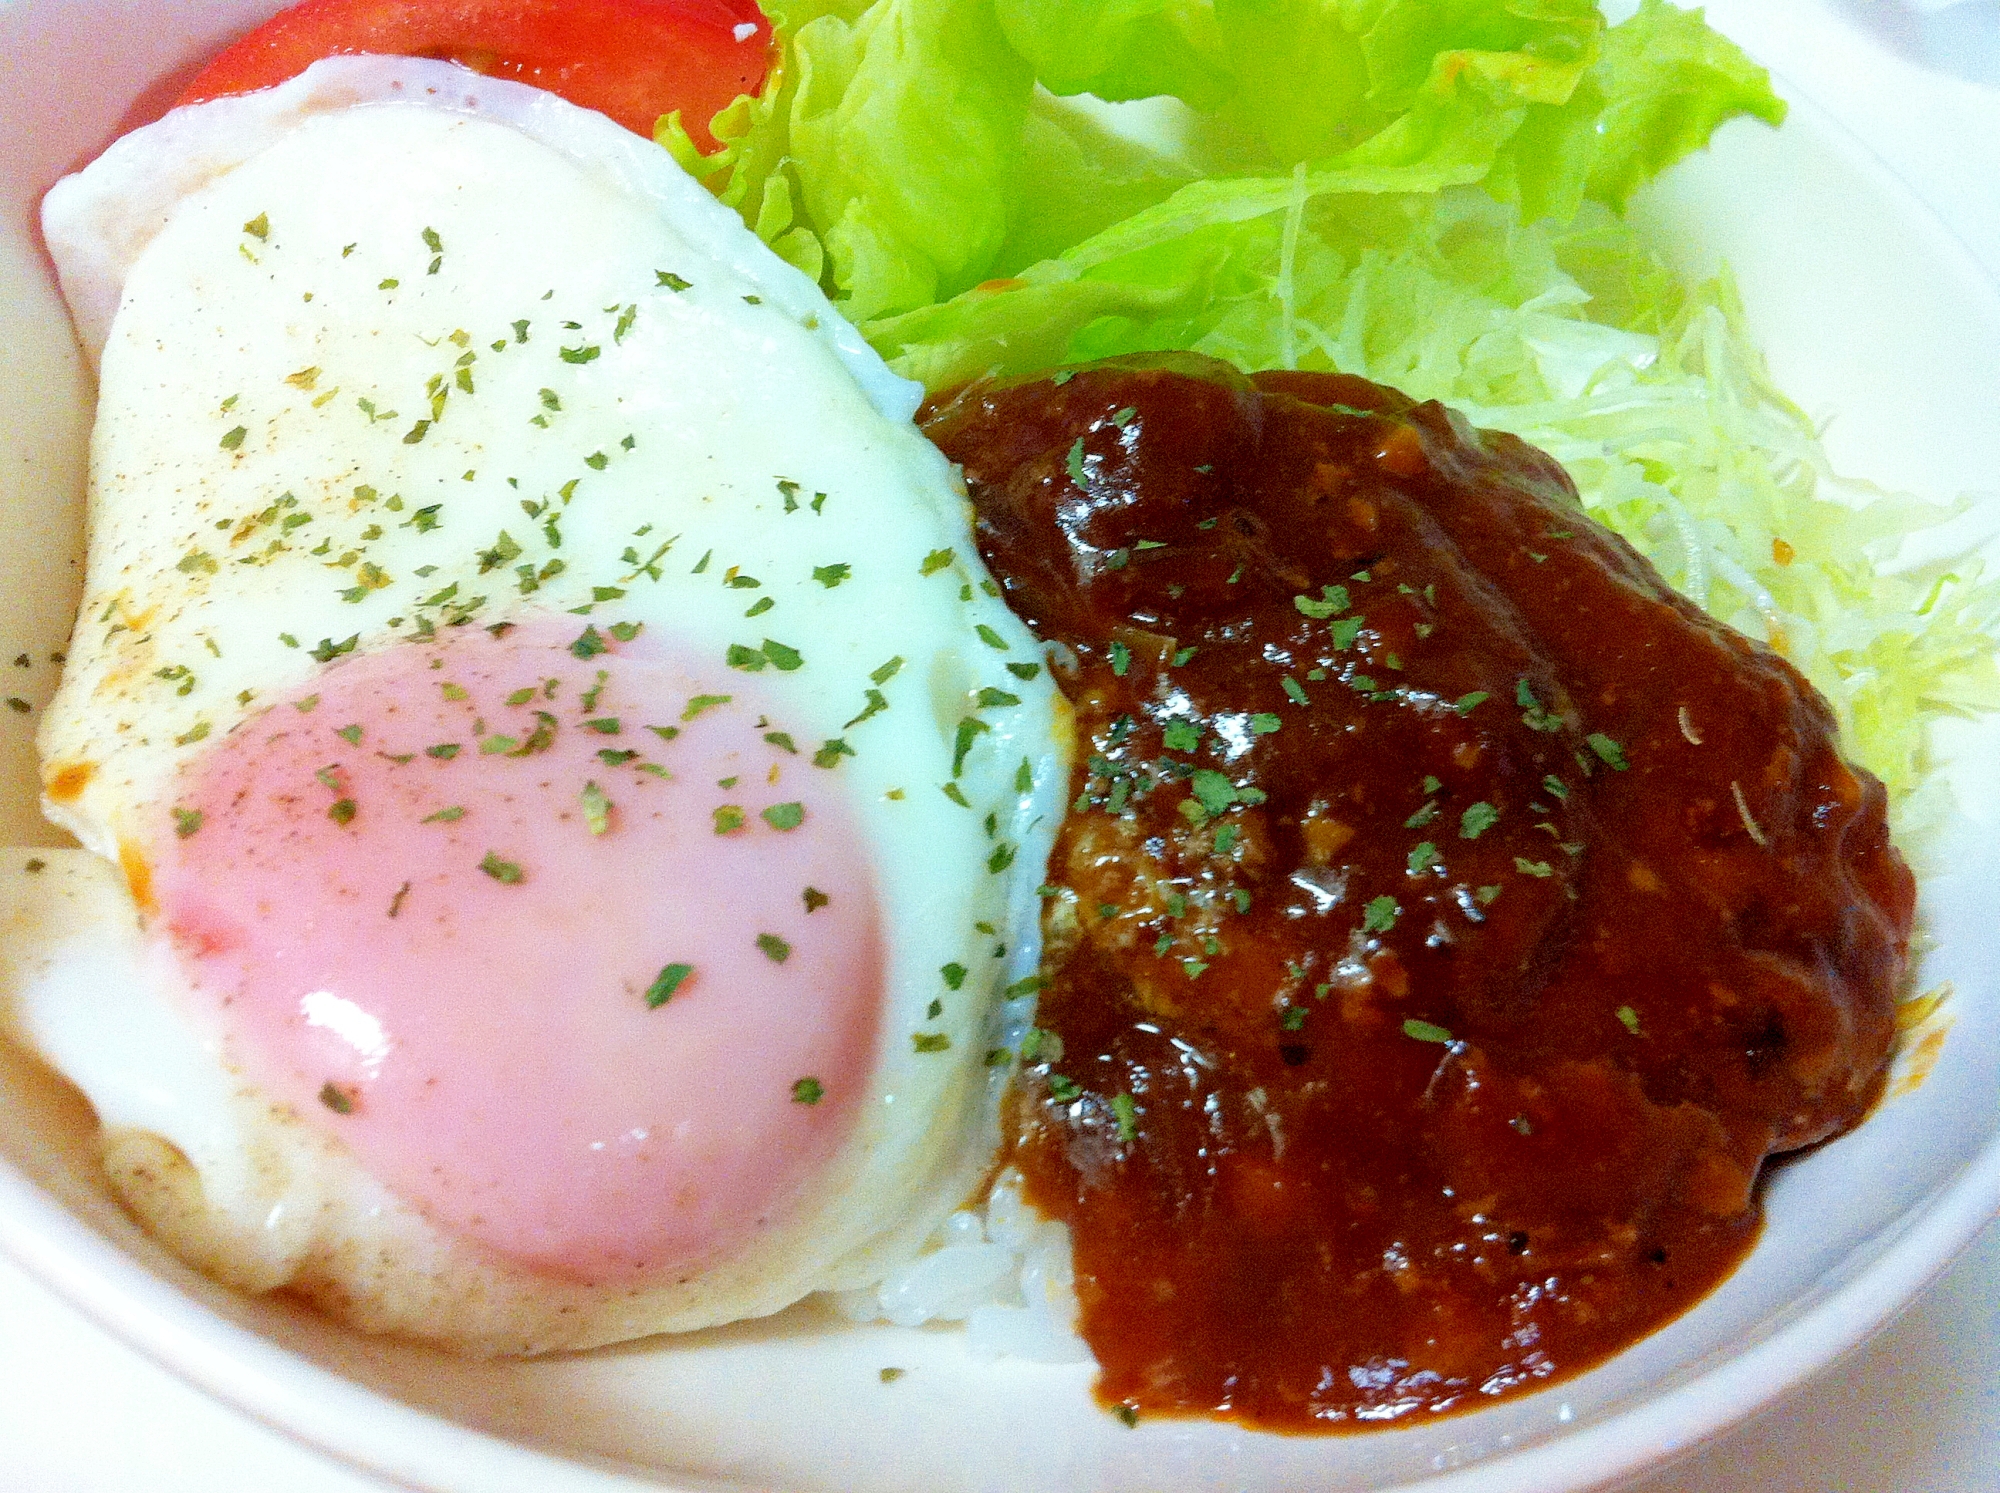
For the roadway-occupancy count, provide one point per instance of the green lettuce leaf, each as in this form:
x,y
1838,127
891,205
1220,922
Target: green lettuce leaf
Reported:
x,y
891,135
913,201
1668,82
1122,49
906,151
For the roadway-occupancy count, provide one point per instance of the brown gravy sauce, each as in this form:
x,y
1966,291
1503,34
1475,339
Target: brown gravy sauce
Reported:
x,y
1450,919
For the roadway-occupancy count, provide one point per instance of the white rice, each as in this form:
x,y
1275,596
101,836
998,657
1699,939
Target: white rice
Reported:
x,y
1001,1269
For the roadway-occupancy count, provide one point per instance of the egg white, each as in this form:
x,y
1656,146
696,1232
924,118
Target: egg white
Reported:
x,y
288,268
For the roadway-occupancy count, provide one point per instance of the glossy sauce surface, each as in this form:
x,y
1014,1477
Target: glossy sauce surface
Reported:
x,y
1450,919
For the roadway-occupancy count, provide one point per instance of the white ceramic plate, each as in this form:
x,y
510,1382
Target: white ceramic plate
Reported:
x,y
1872,314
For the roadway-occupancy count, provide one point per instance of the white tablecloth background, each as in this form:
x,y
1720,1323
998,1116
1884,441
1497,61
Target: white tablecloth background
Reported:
x,y
1917,1410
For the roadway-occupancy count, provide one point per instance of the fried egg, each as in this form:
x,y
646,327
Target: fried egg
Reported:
x,y
567,801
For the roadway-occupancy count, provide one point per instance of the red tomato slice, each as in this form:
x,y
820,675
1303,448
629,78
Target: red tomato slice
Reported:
x,y
631,59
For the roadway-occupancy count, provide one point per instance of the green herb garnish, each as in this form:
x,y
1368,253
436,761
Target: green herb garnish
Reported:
x,y
596,809
669,980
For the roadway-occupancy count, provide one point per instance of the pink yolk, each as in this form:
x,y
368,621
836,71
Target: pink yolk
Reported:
x,y
577,954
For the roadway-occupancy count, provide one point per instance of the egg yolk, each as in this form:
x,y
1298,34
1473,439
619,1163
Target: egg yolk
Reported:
x,y
562,934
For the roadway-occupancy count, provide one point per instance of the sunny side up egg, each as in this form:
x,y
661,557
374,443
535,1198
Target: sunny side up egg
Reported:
x,y
576,799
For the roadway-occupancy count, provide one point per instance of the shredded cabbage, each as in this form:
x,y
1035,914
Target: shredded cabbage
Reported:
x,y
1423,192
